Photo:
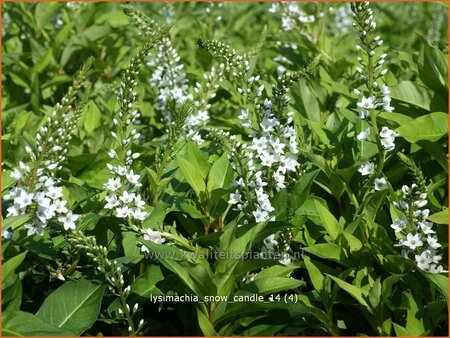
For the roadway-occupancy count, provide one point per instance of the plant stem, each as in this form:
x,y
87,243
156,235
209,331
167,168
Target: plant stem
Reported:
x,y
126,312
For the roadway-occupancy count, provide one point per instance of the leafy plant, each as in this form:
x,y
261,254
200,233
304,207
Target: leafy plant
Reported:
x,y
224,169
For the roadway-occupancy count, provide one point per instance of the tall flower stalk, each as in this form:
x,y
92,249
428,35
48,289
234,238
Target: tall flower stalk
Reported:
x,y
375,98
98,254
37,191
414,231
124,196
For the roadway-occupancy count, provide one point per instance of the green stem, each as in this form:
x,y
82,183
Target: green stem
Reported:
x,y
126,312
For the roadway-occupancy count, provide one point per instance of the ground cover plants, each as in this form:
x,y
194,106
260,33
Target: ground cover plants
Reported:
x,y
250,169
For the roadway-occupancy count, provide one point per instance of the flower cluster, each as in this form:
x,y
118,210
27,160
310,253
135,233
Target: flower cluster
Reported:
x,y
269,159
44,200
123,187
291,15
113,274
342,18
377,95
204,92
238,64
169,78
37,191
417,234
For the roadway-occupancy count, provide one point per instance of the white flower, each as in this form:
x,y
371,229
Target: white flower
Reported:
x,y
121,170
385,90
14,210
42,200
268,125
60,206
24,199
387,133
234,197
366,169
138,202
380,184
366,103
260,215
433,243
286,260
426,227
54,192
267,159
270,242
34,228
113,184
126,197
388,143
436,269
259,144
16,175
139,214
123,212
132,178
423,261
399,225
7,234
154,236
362,136
244,114
68,220
112,202
412,241
277,146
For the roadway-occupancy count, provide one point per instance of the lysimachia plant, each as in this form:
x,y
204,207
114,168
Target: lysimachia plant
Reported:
x,y
218,169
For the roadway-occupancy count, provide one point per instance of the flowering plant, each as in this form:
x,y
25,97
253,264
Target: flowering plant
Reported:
x,y
224,169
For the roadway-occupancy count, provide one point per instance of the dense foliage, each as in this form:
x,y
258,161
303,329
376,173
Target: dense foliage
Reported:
x,y
224,169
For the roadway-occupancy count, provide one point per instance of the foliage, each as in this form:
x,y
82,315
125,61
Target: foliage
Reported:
x,y
220,152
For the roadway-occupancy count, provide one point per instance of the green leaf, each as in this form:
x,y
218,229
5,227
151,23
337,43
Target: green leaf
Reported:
x,y
19,323
306,100
192,176
440,217
44,60
352,290
433,68
145,284
314,274
416,317
198,159
44,13
412,93
264,286
114,18
73,306
300,192
221,174
431,127
328,221
13,222
325,250
401,331
92,117
440,281
205,325
11,265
